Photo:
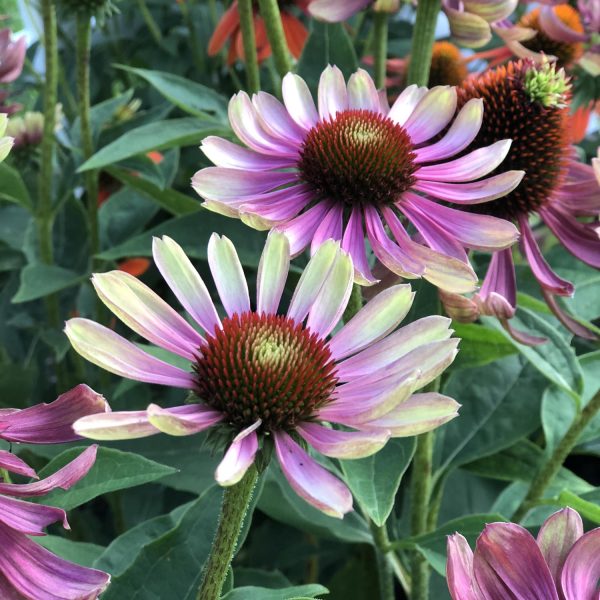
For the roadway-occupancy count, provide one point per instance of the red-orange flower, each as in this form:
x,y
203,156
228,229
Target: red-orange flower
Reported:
x,y
228,30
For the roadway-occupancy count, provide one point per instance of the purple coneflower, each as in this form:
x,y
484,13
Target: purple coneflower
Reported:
x,y
527,103
562,564
12,56
28,571
356,164
273,378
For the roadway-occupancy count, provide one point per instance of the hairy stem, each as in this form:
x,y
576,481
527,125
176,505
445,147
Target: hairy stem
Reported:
x,y
549,470
150,22
247,25
236,500
422,41
380,43
269,9
384,565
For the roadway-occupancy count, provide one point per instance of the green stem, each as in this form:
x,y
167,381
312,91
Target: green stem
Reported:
x,y
236,500
550,469
384,566
150,22
197,51
354,303
84,36
247,25
380,43
422,41
269,9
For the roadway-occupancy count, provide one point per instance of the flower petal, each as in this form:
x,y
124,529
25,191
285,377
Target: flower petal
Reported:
x,y
301,230
226,154
362,93
498,294
29,518
343,444
228,275
330,227
276,120
298,101
311,481
432,114
553,26
353,242
335,11
373,322
333,97
183,420
459,569
272,273
239,456
11,462
406,103
120,425
581,571
110,351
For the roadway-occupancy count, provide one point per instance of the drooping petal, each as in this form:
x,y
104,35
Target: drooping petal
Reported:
x,y
418,414
272,273
373,322
432,114
29,518
572,324
121,425
300,230
52,423
507,558
333,96
239,456
64,478
362,93
11,462
552,25
312,279
311,481
330,227
298,101
183,420
185,282
37,573
353,242
228,275
110,351
343,444
556,538
459,569
498,294
581,571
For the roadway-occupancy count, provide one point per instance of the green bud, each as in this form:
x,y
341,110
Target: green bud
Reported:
x,y
546,85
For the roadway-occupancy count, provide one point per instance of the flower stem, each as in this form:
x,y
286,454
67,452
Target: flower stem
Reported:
x,y
384,566
247,25
547,473
84,35
236,500
150,22
380,43
269,9
422,41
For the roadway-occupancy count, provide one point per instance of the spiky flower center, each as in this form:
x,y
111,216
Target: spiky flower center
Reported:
x,y
538,130
266,367
358,157
565,52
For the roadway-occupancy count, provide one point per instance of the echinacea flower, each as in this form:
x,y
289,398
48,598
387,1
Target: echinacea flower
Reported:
x,y
334,11
228,30
528,103
562,563
357,164
27,570
12,56
267,377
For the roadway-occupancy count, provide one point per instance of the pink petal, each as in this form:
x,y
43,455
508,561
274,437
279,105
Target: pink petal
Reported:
x,y
334,11
432,114
406,103
459,569
551,24
272,273
311,481
362,93
567,320
330,227
301,229
276,120
333,97
581,571
120,425
187,419
353,243
239,456
226,154
14,464
498,294
299,102
29,518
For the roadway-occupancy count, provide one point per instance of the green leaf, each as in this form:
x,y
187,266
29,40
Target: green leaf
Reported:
x,y
13,188
480,345
500,404
299,592
170,566
190,96
374,480
39,280
159,135
113,470
81,553
172,201
589,510
555,359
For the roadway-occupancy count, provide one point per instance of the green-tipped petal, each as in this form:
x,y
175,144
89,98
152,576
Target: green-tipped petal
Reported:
x,y
125,425
272,273
468,29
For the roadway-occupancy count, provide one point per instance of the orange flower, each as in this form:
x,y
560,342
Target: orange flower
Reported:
x,y
578,122
134,266
228,29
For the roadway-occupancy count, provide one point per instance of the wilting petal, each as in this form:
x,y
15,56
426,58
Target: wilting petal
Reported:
x,y
373,322
311,481
224,153
29,518
110,351
183,420
567,320
185,282
64,478
37,573
343,444
14,464
556,538
228,274
298,101
239,456
53,423
121,425
551,24
507,558
334,11
432,114
459,569
143,311
362,93
333,97
459,308
417,414
312,279
498,294
581,571
466,28
272,273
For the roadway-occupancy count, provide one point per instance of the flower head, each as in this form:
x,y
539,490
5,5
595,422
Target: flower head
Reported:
x,y
12,56
265,377
26,569
228,30
527,103
356,165
508,562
